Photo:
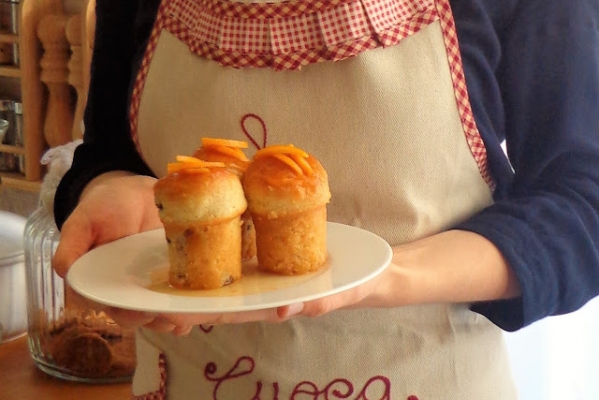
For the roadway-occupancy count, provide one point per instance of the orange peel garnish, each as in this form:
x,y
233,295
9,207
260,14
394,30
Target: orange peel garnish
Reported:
x,y
224,142
289,161
303,164
234,152
191,164
294,157
188,159
173,168
278,149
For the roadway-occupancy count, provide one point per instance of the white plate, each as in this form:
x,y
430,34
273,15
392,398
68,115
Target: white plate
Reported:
x,y
130,273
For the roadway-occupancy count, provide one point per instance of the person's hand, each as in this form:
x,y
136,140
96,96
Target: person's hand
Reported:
x,y
113,206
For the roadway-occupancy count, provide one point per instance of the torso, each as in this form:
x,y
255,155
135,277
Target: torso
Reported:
x,y
393,127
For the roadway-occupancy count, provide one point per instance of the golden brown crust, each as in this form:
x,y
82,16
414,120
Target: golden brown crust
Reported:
x,y
204,256
248,234
292,245
288,206
274,189
208,196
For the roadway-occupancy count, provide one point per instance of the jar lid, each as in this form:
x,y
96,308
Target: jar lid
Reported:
x,y
12,227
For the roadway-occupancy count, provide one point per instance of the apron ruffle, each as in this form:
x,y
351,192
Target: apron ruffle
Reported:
x,y
289,35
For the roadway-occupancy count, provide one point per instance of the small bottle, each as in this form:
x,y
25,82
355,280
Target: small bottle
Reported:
x,y
19,142
18,124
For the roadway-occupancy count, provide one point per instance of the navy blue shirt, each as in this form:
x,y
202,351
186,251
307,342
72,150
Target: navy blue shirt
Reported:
x,y
532,72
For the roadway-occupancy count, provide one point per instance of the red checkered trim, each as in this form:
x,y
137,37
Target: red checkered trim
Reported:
x,y
283,9
160,394
475,141
289,35
143,73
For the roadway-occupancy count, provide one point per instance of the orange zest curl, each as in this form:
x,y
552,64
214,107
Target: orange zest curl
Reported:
x,y
292,156
289,161
234,152
224,142
285,149
303,164
191,164
188,159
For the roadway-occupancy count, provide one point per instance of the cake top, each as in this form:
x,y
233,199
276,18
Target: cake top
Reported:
x,y
224,150
186,164
293,157
285,179
199,191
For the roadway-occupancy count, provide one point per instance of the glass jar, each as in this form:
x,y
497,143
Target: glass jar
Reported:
x,y
13,289
67,339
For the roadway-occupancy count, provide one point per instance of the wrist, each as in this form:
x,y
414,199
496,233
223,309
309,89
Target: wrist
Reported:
x,y
453,266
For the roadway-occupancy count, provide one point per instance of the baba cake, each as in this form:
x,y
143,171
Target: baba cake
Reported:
x,y
287,191
200,205
230,152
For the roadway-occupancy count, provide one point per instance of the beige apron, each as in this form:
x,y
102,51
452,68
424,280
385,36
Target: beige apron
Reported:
x,y
375,90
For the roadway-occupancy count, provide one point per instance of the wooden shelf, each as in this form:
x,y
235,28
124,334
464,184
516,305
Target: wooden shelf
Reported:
x,y
9,38
49,117
11,149
10,71
15,180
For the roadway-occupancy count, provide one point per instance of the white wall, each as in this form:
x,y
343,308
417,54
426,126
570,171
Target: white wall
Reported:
x,y
558,358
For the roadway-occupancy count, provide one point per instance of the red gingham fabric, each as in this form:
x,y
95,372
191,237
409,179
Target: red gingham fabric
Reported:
x,y
160,394
293,34
475,141
289,35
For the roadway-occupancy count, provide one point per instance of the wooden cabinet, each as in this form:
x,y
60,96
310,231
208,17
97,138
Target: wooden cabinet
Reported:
x,y
10,39
9,72
54,52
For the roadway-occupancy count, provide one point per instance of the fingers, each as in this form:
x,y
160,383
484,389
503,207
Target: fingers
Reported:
x,y
289,311
75,240
180,324
268,315
364,295
182,331
134,319
162,325
129,318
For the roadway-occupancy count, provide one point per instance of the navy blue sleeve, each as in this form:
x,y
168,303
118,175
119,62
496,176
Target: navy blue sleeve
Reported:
x,y
122,29
545,219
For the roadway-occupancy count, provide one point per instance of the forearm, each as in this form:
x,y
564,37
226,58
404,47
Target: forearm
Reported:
x,y
452,266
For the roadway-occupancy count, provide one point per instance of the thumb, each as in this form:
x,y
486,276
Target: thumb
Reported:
x,y
76,238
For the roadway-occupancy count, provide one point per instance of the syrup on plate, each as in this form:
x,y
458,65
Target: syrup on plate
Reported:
x,y
253,281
